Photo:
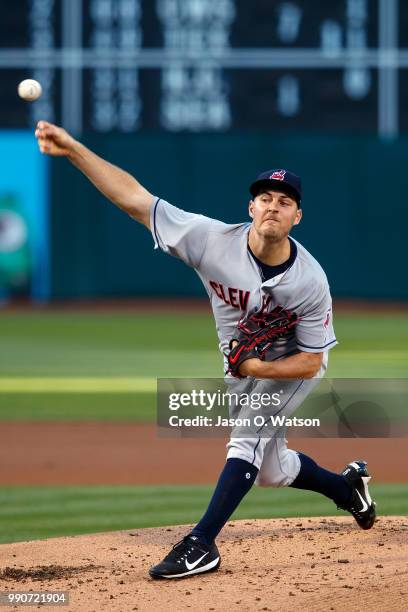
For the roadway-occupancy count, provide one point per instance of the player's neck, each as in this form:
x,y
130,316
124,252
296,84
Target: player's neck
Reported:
x,y
268,251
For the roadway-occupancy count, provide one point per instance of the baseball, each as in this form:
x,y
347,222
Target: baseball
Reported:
x,y
29,90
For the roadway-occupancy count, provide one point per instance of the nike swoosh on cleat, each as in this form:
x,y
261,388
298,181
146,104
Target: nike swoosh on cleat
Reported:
x,y
191,566
365,505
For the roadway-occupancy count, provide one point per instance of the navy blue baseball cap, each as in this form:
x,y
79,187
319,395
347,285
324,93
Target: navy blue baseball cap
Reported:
x,y
281,180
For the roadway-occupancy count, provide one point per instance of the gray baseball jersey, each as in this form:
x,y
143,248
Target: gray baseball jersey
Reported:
x,y
219,254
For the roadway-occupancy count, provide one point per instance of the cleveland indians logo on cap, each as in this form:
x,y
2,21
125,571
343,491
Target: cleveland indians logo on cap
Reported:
x,y
279,175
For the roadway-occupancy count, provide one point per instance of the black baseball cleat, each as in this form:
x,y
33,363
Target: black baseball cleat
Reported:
x,y
188,557
361,506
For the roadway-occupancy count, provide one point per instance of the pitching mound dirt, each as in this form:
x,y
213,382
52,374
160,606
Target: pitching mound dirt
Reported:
x,y
287,564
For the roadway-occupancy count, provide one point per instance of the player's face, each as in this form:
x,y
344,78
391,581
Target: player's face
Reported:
x,y
274,213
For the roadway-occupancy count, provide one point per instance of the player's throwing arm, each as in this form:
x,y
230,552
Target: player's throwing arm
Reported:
x,y
115,184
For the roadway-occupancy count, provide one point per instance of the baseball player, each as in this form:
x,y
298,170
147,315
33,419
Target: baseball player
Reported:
x,y
273,314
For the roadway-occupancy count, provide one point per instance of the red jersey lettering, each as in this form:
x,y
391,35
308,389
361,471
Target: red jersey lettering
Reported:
x,y
216,288
232,294
223,294
266,300
237,298
243,299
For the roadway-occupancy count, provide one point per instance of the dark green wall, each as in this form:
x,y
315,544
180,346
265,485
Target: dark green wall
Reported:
x,y
354,209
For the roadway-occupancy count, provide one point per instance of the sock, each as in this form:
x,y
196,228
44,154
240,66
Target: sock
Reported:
x,y
235,481
315,478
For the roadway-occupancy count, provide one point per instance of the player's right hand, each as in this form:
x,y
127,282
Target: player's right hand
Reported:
x,y
53,140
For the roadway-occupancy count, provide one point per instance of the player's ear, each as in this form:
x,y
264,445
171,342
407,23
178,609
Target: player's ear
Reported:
x,y
250,208
298,216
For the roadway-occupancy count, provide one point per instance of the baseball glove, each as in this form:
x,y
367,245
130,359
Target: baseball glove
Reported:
x,y
255,335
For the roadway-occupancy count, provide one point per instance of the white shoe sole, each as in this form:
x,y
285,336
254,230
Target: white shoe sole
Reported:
x,y
366,480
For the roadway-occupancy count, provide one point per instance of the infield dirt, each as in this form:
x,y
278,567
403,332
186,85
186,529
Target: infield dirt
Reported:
x,y
314,564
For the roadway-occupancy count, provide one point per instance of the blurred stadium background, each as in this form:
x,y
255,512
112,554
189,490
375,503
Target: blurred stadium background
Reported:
x,y
194,97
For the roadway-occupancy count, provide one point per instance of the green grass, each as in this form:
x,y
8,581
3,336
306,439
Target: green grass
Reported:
x,y
139,407
28,513
137,346
370,346
99,344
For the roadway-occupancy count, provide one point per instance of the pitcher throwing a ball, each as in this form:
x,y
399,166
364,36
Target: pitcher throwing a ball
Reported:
x,y
272,307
